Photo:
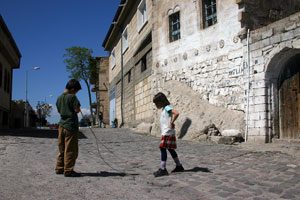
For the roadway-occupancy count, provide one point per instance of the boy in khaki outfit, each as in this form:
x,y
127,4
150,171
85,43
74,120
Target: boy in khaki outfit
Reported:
x,y
68,106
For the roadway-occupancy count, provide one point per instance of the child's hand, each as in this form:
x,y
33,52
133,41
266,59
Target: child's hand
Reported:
x,y
172,125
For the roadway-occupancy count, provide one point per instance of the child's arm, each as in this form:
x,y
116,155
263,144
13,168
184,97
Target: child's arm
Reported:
x,y
174,116
77,110
76,104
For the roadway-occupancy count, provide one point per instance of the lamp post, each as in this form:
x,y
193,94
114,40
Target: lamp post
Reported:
x,y
26,97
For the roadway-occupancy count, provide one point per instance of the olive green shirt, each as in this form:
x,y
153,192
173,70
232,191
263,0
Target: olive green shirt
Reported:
x,y
66,104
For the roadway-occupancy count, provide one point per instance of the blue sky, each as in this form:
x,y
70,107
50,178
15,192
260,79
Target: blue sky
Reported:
x,y
43,30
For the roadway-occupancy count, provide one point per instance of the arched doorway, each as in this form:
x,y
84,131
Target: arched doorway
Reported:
x,y
289,99
282,88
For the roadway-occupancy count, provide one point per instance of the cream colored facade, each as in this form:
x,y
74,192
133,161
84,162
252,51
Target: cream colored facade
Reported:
x,y
9,60
133,103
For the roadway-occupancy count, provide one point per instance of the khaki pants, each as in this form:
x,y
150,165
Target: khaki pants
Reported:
x,y
67,150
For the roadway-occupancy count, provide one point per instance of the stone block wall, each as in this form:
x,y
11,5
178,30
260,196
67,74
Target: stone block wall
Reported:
x,y
270,47
143,101
209,60
260,13
139,45
102,93
213,61
135,38
129,108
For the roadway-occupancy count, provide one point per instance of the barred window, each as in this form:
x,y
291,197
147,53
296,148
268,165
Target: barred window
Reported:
x,y
209,12
174,24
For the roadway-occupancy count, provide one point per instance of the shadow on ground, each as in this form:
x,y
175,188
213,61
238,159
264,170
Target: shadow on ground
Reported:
x,y
198,169
37,133
107,174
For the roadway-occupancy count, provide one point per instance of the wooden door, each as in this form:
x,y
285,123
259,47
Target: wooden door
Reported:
x,y
289,112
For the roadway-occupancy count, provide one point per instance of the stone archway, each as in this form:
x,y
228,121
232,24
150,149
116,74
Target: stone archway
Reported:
x,y
283,92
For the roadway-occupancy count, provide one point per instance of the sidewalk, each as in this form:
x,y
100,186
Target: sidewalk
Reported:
x,y
245,171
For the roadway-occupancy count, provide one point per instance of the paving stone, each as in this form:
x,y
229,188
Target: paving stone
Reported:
x,y
259,198
212,171
224,194
230,190
288,196
214,182
276,190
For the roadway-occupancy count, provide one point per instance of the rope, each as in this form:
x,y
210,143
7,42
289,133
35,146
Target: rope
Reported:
x,y
99,154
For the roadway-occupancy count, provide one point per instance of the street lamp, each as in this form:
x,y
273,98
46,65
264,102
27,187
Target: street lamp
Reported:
x,y
26,93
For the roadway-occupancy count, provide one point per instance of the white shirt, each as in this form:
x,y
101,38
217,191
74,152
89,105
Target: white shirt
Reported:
x,y
165,119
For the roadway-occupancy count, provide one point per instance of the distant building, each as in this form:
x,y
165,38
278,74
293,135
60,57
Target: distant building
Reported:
x,y
17,114
9,60
101,84
205,45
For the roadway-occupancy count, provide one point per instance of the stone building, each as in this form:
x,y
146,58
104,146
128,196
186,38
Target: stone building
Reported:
x,y
101,88
129,41
240,55
9,60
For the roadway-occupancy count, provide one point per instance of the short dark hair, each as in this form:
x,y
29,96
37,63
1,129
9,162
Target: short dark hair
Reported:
x,y
160,98
73,84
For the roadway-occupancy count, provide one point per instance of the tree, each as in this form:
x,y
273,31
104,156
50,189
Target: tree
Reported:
x,y
80,64
43,111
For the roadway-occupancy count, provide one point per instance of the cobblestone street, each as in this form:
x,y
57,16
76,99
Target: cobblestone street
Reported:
x,y
212,171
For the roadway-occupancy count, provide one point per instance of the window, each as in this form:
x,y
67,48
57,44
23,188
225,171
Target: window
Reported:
x,y
8,82
113,59
124,40
209,8
5,80
144,63
142,14
129,76
174,26
1,75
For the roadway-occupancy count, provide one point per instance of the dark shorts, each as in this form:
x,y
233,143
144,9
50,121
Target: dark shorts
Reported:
x,y
168,142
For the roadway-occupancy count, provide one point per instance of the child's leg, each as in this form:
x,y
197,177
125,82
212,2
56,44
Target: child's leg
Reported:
x,y
174,156
164,156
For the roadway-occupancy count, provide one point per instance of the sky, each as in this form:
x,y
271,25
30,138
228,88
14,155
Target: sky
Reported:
x,y
42,30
